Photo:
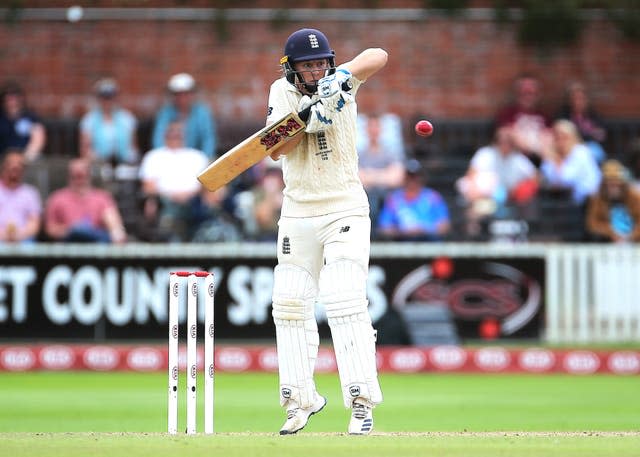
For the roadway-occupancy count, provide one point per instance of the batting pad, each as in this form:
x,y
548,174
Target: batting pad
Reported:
x,y
297,336
343,292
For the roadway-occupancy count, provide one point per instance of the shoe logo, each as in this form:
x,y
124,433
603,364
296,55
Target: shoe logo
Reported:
x,y
286,245
344,229
286,392
354,391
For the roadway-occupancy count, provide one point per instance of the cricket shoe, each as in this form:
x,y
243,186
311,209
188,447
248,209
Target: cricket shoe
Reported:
x,y
298,417
361,422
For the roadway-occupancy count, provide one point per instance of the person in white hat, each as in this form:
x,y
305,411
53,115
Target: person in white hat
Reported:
x,y
196,116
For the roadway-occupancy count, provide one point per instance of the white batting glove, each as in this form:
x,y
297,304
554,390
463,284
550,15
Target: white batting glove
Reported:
x,y
332,84
305,102
336,102
319,118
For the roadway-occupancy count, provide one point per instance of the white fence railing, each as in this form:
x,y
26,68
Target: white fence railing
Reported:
x,y
592,294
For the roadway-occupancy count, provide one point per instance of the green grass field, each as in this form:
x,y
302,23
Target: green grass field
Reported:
x,y
112,414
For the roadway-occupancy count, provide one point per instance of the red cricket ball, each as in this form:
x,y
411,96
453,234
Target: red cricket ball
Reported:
x,y
424,128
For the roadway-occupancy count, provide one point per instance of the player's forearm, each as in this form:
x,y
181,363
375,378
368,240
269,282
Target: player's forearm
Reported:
x,y
367,63
287,148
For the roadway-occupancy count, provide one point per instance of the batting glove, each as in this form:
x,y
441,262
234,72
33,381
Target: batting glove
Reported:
x,y
319,118
333,84
305,102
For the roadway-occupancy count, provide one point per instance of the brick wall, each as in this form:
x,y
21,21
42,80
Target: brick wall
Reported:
x,y
444,68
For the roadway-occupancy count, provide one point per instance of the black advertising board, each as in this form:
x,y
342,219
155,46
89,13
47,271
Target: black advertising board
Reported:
x,y
71,296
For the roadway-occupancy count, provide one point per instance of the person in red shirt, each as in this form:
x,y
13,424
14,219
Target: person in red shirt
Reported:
x,y
530,125
81,212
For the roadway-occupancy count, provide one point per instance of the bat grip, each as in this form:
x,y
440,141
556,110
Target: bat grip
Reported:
x,y
304,114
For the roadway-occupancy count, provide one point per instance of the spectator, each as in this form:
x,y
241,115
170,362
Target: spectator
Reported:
x,y
20,204
577,108
381,157
213,218
613,214
569,164
633,161
414,212
530,124
498,174
108,131
260,206
169,184
199,125
81,212
20,128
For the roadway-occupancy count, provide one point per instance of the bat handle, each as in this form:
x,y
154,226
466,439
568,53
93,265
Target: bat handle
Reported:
x,y
304,114
347,85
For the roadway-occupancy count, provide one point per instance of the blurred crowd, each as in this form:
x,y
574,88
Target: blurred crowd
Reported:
x,y
117,193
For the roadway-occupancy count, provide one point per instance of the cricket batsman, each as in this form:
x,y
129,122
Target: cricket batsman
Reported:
x,y
324,232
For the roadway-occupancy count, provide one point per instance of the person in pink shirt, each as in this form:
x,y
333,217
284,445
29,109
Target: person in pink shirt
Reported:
x,y
81,212
20,203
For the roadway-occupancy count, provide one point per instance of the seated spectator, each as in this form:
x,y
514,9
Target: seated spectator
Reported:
x,y
381,157
633,162
20,204
530,124
183,106
613,213
568,163
414,212
213,219
577,108
259,208
168,175
20,128
498,175
81,212
108,131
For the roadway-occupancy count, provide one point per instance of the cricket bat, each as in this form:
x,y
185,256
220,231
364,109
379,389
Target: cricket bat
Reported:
x,y
253,149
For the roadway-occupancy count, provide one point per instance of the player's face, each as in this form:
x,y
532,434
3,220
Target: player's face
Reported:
x,y
312,70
